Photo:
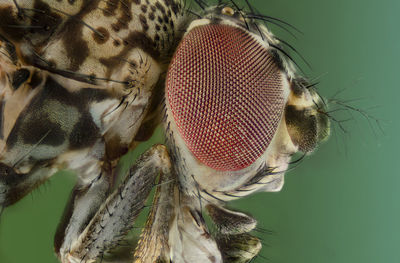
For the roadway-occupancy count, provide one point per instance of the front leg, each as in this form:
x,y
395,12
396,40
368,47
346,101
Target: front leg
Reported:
x,y
116,214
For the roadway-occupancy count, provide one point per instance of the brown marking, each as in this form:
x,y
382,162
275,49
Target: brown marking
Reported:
x,y
51,63
85,133
112,5
116,43
133,40
166,19
133,64
160,7
101,36
40,128
77,48
115,27
125,17
152,16
144,8
171,4
114,147
46,21
19,77
7,19
143,21
35,80
136,2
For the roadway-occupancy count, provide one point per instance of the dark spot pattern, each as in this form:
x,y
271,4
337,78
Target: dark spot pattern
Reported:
x,y
19,77
173,5
166,19
133,64
85,133
124,18
116,43
44,20
133,40
160,7
7,19
36,79
111,7
143,22
115,27
36,125
101,36
77,49
33,130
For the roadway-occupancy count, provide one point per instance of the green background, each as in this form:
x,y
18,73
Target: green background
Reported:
x,y
341,204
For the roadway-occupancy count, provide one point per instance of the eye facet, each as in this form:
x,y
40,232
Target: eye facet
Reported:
x,y
226,95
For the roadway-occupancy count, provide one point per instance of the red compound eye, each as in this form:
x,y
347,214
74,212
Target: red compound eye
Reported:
x,y
225,92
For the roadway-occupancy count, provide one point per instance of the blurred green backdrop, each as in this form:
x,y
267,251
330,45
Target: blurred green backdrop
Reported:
x,y
340,204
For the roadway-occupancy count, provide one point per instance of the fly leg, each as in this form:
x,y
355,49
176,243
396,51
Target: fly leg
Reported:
x,y
175,230
87,236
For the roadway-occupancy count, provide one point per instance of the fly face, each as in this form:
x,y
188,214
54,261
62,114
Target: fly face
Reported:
x,y
235,112
236,108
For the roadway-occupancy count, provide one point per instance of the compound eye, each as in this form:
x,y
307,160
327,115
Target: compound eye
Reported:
x,y
226,95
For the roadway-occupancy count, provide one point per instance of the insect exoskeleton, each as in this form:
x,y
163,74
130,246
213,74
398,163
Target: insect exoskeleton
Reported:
x,y
236,110
81,83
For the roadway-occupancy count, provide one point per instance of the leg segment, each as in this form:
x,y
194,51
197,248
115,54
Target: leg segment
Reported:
x,y
175,230
115,215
